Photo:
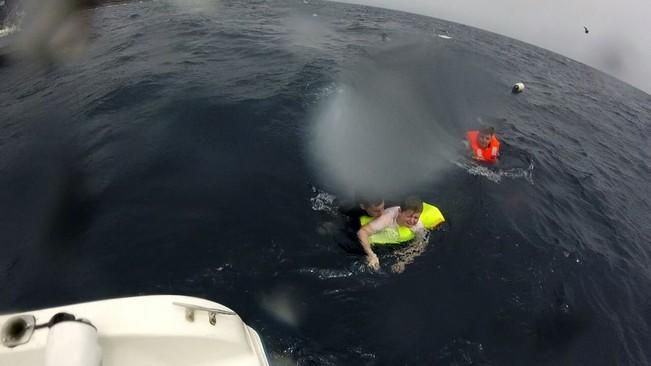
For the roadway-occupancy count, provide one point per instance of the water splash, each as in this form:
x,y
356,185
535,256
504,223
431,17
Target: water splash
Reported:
x,y
323,201
327,274
495,175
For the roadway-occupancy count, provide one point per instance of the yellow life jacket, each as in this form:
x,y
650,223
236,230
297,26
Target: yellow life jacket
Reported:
x,y
431,217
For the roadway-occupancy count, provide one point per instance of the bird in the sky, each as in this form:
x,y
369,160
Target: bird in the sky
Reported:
x,y
586,29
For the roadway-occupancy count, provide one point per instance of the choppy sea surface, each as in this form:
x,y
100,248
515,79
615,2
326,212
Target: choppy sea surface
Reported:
x,y
173,157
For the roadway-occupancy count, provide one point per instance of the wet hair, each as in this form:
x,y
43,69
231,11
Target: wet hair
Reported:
x,y
488,130
412,203
371,201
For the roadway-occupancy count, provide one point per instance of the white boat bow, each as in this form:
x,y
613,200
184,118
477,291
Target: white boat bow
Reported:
x,y
163,330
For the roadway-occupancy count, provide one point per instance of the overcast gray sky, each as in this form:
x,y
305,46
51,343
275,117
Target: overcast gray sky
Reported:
x,y
619,42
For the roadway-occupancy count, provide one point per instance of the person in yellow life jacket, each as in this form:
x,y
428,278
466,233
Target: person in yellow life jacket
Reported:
x,y
484,145
403,221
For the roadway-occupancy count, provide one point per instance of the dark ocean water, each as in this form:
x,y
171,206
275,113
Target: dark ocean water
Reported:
x,y
173,158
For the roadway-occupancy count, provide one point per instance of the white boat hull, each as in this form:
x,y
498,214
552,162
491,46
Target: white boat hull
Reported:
x,y
148,330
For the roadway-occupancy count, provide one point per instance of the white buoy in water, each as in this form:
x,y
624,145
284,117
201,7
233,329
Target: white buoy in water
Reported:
x,y
518,88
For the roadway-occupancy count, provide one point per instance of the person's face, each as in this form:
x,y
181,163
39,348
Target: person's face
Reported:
x,y
375,211
484,140
408,218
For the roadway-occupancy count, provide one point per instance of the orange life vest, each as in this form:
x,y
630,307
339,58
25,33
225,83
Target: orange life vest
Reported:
x,y
489,154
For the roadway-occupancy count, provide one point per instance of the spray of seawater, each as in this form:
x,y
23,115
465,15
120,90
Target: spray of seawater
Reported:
x,y
396,119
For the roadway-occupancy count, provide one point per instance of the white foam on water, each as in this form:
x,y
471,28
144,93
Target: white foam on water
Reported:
x,y
323,201
495,175
327,274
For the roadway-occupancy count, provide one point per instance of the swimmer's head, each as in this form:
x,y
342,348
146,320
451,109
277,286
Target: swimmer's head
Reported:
x,y
374,206
485,136
410,210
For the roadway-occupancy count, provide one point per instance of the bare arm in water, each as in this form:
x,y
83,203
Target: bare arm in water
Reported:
x,y
371,257
378,224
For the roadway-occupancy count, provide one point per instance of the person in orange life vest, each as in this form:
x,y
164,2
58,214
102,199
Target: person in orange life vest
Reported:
x,y
484,145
